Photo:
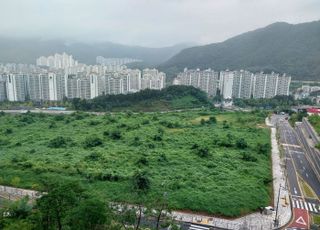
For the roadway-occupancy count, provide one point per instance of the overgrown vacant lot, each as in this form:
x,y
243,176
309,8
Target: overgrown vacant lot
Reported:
x,y
206,161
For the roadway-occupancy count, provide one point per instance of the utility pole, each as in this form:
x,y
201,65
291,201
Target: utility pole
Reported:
x,y
276,221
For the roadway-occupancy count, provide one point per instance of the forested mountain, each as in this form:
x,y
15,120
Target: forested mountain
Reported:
x,y
27,50
279,47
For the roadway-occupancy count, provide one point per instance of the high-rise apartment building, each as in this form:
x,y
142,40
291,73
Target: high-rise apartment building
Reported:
x,y
16,87
270,85
153,79
46,87
206,80
57,61
134,80
3,91
236,84
226,83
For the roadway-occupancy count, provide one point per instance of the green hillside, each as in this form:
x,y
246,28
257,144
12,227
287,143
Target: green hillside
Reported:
x,y
279,47
170,98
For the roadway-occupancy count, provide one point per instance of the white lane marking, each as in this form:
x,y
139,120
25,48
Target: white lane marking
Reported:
x,y
304,168
301,204
297,204
315,208
306,206
197,227
310,206
295,190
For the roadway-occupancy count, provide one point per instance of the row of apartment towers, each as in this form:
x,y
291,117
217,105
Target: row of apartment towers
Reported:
x,y
55,86
236,84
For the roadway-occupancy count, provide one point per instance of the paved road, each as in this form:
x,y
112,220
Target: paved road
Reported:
x,y
299,165
289,143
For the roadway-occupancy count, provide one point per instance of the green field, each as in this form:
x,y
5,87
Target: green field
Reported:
x,y
220,166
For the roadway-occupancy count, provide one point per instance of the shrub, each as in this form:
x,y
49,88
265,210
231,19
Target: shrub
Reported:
x,y
27,118
212,120
224,142
143,161
141,182
248,157
94,156
241,143
157,137
4,142
203,152
195,146
59,117
145,122
94,123
92,141
203,121
162,158
52,125
8,131
115,135
263,148
225,125
59,142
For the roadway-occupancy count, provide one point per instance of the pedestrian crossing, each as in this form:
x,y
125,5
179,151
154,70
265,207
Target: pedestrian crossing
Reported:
x,y
311,207
197,227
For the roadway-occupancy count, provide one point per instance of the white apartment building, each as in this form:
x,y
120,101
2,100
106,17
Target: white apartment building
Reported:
x,y
236,84
206,80
242,84
134,80
227,79
152,79
78,86
46,87
16,87
3,92
270,85
57,61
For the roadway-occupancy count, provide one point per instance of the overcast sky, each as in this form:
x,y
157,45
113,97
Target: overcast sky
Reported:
x,y
148,22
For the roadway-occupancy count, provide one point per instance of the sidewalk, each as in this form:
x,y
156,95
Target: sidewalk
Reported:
x,y
13,193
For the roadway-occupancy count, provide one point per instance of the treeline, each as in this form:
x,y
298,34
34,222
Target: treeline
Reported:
x,y
270,103
167,95
68,205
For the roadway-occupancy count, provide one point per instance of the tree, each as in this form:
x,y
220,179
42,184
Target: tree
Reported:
x,y
212,120
54,206
241,143
92,141
141,186
58,142
90,214
125,215
203,152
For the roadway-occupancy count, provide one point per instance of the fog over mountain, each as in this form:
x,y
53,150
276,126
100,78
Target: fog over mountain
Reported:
x,y
21,50
147,23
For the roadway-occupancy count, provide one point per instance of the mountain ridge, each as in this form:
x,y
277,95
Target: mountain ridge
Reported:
x,y
281,47
26,50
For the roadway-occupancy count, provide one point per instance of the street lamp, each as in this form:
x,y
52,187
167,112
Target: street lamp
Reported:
x,y
276,219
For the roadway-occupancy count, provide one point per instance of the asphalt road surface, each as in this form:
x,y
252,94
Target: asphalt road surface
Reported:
x,y
298,164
